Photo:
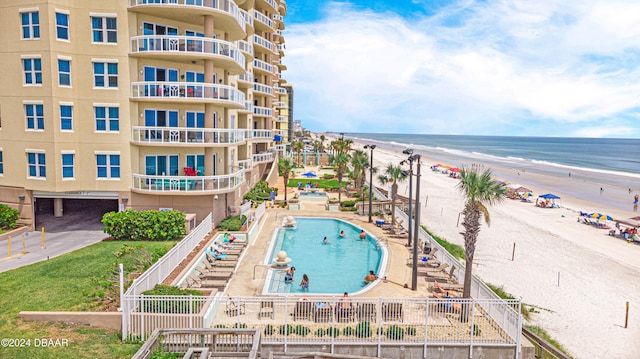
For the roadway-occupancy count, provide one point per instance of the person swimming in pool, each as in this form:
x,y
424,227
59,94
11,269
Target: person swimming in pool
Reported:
x,y
342,234
304,283
288,274
325,241
362,234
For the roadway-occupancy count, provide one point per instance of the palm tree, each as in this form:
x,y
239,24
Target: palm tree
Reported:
x,y
340,160
479,191
297,147
392,174
322,139
359,162
284,169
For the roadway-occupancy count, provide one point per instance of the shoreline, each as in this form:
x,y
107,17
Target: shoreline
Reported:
x,y
577,276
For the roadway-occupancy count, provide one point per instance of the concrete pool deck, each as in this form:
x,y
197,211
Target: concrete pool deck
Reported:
x,y
397,271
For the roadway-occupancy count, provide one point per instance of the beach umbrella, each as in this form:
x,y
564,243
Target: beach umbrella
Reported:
x,y
528,195
549,196
600,216
454,169
308,174
522,189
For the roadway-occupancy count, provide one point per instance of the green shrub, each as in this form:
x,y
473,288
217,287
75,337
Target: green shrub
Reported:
x,y
411,331
348,203
328,176
233,223
8,217
347,331
320,332
260,192
286,329
348,209
151,225
363,330
333,332
221,326
269,330
302,330
152,305
395,332
240,325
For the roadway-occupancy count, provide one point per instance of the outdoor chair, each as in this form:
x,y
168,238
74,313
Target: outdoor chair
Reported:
x,y
392,312
323,313
368,312
220,262
234,308
302,310
266,309
345,314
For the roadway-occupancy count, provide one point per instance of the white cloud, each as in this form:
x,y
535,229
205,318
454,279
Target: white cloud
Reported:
x,y
474,68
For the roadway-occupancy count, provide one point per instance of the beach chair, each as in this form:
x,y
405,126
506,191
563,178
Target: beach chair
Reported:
x,y
197,282
266,309
302,310
392,312
448,304
323,313
433,270
347,314
368,312
227,250
220,262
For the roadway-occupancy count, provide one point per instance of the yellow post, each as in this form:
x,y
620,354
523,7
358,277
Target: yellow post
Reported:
x,y
626,316
42,237
24,247
9,246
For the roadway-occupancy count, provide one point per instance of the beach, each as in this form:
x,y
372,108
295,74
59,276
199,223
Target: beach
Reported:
x,y
576,276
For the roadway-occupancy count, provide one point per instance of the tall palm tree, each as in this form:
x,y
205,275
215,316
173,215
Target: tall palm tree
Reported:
x,y
359,162
284,169
322,139
392,174
340,160
297,147
479,190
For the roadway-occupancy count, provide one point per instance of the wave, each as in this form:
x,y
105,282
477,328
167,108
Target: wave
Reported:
x,y
586,169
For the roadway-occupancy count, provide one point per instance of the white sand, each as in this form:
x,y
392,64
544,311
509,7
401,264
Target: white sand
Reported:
x,y
598,274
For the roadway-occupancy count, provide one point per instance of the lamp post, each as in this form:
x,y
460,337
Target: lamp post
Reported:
x,y
414,274
371,147
409,160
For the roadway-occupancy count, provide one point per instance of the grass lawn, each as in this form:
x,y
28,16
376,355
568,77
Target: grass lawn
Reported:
x,y
62,284
322,183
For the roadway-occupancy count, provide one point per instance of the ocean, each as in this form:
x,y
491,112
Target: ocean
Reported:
x,y
607,162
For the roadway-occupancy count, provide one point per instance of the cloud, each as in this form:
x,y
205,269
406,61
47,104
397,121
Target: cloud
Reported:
x,y
472,68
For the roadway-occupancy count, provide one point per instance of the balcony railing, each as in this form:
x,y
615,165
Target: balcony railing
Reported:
x,y
281,90
246,77
263,157
277,17
262,88
245,164
282,118
262,18
259,64
186,135
262,111
259,134
187,184
224,6
279,104
248,19
186,45
261,41
279,32
246,47
281,47
280,148
273,4
189,91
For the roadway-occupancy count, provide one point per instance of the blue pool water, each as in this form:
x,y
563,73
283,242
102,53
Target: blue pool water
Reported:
x,y
333,268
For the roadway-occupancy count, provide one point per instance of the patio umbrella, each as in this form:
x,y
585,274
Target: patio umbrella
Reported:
x,y
528,195
522,189
454,169
549,196
600,216
309,174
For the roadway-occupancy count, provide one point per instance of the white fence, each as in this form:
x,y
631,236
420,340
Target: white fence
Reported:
x,y
162,268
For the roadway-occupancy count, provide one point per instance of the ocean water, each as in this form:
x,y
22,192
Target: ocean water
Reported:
x,y
613,163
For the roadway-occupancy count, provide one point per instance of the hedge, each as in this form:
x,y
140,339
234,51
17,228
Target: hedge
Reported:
x,y
151,225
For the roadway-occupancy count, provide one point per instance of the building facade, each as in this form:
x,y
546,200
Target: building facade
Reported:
x,y
146,104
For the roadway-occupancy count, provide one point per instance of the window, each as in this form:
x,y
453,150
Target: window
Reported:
x,y
35,116
66,117
37,164
30,25
161,165
108,166
105,74
107,119
1,164
105,29
62,26
64,72
32,71
68,161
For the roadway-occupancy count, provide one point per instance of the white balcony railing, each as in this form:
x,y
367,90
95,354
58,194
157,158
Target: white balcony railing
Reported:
x,y
279,32
281,47
196,91
261,41
259,134
258,87
245,164
280,148
225,6
186,45
262,18
187,184
246,77
246,47
262,111
186,135
279,104
248,19
259,64
277,17
281,90
273,4
282,118
263,157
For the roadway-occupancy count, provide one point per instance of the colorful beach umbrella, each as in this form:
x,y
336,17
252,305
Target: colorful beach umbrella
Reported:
x,y
600,216
549,196
528,195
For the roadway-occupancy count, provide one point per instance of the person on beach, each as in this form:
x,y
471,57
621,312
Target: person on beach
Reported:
x,y
635,203
370,277
362,234
304,283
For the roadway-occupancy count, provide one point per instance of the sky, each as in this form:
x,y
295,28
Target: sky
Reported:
x,y
567,68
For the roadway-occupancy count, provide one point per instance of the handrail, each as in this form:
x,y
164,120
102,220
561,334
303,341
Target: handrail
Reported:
x,y
186,135
188,184
186,91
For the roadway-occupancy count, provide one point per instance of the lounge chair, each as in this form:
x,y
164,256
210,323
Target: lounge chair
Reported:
x,y
221,262
368,312
434,270
347,314
197,282
448,304
302,310
226,250
234,308
266,309
323,312
392,312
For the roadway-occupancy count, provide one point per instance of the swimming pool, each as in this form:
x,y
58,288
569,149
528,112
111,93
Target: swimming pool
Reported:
x,y
333,268
322,196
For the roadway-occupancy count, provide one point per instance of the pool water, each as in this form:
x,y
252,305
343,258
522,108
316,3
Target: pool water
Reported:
x,y
333,268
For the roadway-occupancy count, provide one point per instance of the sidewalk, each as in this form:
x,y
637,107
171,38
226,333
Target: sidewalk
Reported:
x,y
55,244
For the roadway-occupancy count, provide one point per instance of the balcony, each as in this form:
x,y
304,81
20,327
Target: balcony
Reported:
x,y
281,90
248,20
189,92
262,89
226,14
271,3
279,104
262,111
262,21
224,54
262,43
186,136
259,135
245,164
187,185
282,119
248,108
277,17
281,48
281,148
263,157
246,47
245,80
262,66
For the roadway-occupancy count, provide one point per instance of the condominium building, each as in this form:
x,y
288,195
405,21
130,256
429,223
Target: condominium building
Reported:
x,y
143,104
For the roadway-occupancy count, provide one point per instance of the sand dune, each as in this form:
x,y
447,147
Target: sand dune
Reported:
x,y
577,276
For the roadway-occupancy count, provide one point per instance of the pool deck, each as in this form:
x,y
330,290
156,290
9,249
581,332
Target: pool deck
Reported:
x,y
397,272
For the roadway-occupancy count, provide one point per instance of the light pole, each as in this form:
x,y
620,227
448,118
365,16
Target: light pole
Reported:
x,y
371,147
409,160
414,274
